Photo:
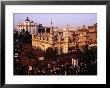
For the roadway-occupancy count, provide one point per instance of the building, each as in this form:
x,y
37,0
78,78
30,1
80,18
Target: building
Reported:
x,y
61,40
92,34
87,36
27,25
82,37
66,39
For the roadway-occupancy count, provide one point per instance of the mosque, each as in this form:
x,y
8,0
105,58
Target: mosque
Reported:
x,y
62,40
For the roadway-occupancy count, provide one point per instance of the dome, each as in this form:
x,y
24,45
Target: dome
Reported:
x,y
27,19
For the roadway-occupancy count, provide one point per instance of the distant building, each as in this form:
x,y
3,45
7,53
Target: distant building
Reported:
x,y
62,40
82,37
27,25
92,34
87,36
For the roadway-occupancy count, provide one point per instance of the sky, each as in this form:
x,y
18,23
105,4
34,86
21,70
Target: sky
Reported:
x,y
58,19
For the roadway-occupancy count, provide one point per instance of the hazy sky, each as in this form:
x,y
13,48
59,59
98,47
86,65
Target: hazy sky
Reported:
x,y
58,19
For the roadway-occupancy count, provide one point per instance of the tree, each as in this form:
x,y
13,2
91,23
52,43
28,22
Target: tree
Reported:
x,y
50,53
89,55
79,54
15,35
31,55
27,37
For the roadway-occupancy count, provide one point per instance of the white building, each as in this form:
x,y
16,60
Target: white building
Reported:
x,y
27,25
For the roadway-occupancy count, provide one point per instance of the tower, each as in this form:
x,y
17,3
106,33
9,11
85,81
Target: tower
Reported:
x,y
51,34
66,39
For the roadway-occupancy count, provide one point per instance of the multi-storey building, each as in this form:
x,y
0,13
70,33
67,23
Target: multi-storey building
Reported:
x,y
87,36
27,25
92,34
82,37
57,39
62,40
66,39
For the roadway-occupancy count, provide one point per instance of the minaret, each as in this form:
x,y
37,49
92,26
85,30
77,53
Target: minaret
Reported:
x,y
51,34
51,30
45,29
